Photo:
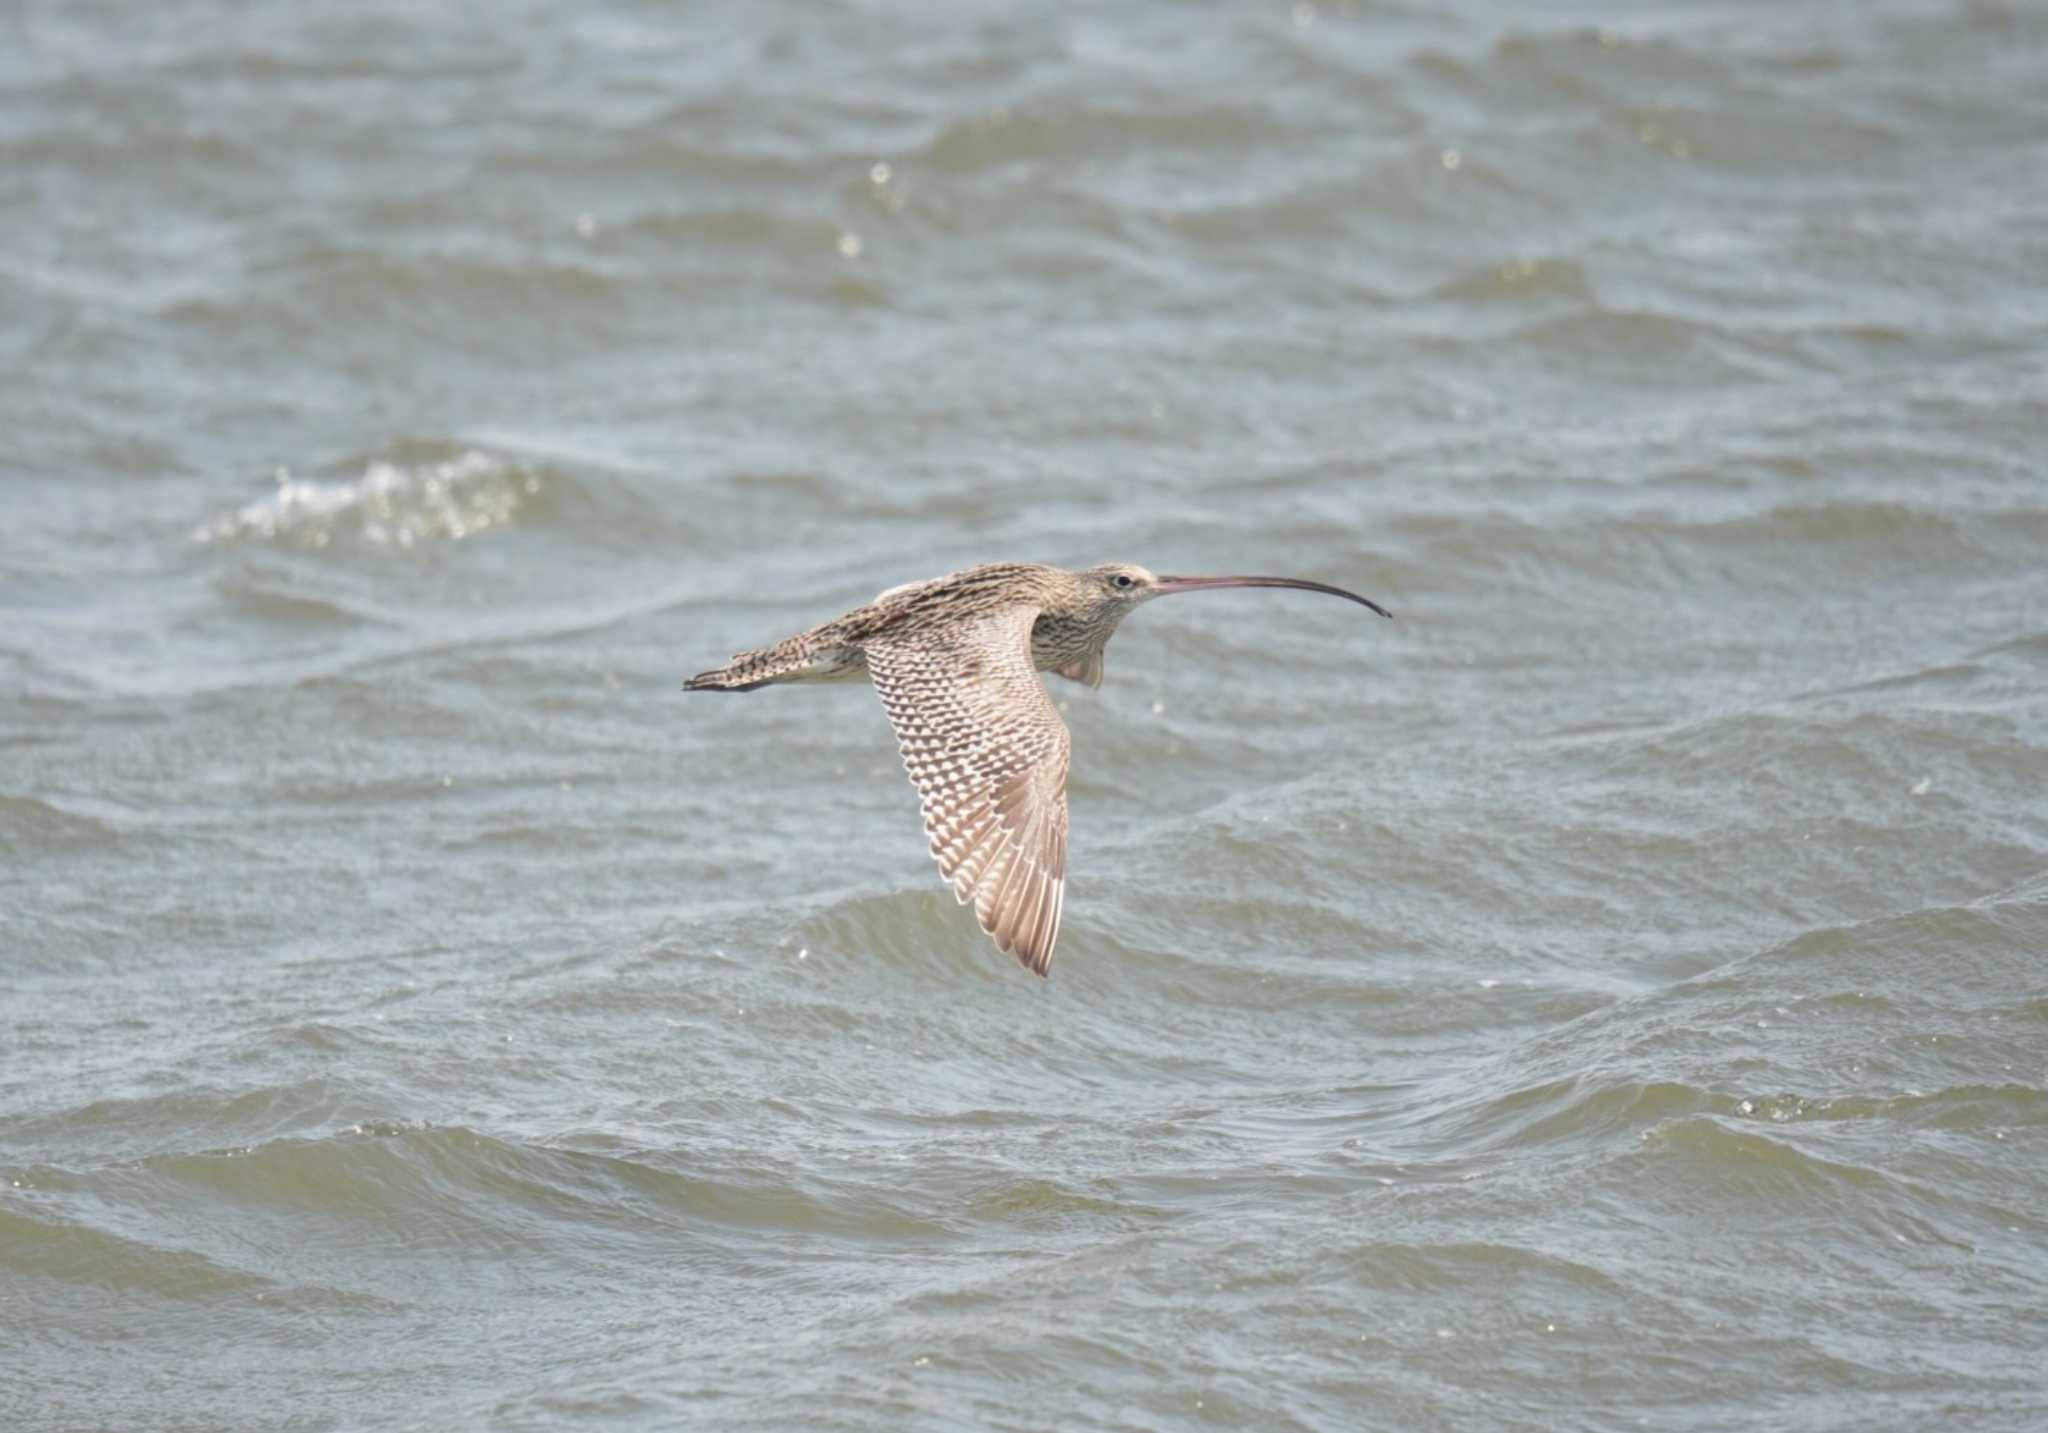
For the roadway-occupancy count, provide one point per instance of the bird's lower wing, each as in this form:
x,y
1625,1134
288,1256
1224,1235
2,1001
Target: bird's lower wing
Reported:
x,y
987,751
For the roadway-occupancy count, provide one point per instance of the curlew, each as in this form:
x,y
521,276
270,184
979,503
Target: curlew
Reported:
x,y
956,662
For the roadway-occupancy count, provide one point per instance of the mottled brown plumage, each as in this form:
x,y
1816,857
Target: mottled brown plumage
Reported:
x,y
956,662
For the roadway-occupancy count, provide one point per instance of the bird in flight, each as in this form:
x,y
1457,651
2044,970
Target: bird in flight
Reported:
x,y
956,662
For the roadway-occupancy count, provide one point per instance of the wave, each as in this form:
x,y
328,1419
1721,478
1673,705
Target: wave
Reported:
x,y
389,505
42,826
1520,281
37,1244
1010,134
918,931
304,1207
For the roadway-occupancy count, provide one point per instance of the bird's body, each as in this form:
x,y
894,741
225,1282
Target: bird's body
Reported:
x,y
955,660
836,651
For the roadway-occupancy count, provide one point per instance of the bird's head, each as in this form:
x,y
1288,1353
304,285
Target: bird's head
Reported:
x,y
1112,590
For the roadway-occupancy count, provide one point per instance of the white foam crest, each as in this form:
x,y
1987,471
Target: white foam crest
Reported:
x,y
390,505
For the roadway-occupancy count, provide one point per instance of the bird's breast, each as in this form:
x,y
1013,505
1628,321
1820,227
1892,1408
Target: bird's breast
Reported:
x,y
1056,644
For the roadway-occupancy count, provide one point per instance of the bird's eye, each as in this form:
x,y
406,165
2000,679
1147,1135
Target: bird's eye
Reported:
x,y
1122,579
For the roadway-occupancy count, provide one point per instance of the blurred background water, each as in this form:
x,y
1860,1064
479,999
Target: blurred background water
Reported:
x,y
1609,996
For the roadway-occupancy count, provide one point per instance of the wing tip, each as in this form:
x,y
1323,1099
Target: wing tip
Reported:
x,y
1039,963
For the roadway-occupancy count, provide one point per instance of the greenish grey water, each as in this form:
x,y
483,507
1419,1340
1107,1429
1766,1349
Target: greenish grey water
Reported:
x,y
1612,995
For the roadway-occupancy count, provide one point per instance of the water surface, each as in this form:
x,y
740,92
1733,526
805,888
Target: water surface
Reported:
x,y
1609,996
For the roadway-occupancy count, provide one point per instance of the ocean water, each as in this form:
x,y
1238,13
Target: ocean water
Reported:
x,y
1612,995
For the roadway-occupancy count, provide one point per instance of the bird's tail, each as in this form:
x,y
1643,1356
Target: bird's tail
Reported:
x,y
734,676
786,661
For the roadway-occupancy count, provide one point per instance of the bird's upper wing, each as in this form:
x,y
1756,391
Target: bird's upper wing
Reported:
x,y
987,752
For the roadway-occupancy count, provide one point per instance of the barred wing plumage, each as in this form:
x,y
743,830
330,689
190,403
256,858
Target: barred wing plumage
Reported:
x,y
987,751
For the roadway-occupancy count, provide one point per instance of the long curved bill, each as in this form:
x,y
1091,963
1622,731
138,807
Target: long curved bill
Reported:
x,y
1196,584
